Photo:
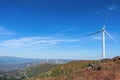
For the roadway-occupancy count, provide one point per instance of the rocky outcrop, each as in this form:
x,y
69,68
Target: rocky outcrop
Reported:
x,y
116,58
98,66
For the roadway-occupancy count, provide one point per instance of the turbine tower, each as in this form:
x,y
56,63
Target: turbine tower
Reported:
x,y
103,43
104,33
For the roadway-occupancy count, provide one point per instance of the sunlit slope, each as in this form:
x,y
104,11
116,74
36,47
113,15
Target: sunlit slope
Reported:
x,y
64,69
39,69
107,69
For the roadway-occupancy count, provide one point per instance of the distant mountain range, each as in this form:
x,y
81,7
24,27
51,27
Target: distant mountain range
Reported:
x,y
8,63
15,68
14,60
13,63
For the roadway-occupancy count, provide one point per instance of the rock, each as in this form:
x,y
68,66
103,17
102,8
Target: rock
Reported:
x,y
116,58
106,60
94,66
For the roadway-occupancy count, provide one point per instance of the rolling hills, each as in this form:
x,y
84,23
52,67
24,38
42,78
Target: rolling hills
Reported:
x,y
106,69
8,63
16,68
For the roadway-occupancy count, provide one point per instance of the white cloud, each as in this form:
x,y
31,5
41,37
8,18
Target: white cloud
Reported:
x,y
31,42
4,31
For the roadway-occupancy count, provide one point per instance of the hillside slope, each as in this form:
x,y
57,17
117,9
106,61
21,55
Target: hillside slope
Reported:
x,y
39,69
107,69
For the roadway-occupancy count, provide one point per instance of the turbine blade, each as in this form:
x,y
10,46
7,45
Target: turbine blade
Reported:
x,y
92,33
110,36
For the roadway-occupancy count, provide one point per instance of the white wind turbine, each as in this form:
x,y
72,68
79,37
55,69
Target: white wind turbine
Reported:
x,y
103,40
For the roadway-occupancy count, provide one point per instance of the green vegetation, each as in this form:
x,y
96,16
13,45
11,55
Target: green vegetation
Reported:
x,y
106,69
69,68
39,69
63,69
9,79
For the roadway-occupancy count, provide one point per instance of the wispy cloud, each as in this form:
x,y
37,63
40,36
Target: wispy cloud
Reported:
x,y
71,29
110,8
31,42
4,31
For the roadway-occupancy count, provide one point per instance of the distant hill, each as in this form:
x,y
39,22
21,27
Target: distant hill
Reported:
x,y
15,68
106,69
14,60
28,72
8,63
13,63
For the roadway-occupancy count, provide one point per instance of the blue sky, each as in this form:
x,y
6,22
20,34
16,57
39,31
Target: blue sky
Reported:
x,y
57,28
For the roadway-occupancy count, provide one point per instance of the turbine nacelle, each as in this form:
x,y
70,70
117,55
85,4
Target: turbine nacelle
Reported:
x,y
103,29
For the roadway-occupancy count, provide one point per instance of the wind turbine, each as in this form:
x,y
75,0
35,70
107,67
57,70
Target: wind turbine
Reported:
x,y
103,40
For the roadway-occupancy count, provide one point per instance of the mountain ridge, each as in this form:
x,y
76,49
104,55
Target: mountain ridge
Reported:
x,y
105,69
